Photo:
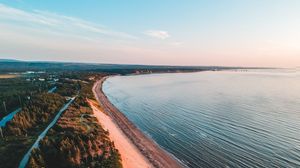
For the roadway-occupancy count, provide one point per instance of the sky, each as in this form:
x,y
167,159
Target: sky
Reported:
x,y
263,33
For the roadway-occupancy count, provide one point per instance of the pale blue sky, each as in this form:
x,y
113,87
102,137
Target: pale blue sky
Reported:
x,y
175,32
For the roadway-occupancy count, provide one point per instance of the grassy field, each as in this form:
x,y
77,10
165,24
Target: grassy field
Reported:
x,y
6,76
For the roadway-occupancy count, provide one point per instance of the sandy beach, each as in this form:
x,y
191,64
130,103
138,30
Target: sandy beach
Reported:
x,y
131,156
136,149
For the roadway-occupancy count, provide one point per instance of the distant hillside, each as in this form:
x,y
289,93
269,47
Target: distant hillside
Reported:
x,y
9,60
8,65
19,66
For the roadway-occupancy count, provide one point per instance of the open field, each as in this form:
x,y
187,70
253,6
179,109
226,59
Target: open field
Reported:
x,y
7,76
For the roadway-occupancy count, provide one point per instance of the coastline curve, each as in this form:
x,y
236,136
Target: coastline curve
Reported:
x,y
157,156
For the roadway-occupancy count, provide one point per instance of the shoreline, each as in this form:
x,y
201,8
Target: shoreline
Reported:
x,y
130,155
157,156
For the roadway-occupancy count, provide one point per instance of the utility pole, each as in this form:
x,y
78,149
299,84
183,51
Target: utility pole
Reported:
x,y
20,101
5,113
4,107
1,132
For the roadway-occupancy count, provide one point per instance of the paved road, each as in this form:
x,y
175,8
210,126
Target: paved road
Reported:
x,y
26,157
52,90
9,117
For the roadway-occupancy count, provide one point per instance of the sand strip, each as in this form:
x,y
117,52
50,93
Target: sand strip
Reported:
x,y
131,156
147,147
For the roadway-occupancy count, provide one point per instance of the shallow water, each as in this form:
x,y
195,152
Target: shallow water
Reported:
x,y
216,119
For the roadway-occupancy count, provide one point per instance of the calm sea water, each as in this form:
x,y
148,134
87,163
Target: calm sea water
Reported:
x,y
216,119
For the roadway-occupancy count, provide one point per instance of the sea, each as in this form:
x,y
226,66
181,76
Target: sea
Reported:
x,y
233,118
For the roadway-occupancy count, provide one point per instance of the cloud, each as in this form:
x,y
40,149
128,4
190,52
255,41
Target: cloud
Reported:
x,y
43,35
58,23
160,34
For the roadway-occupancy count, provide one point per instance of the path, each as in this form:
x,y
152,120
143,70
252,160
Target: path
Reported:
x,y
26,157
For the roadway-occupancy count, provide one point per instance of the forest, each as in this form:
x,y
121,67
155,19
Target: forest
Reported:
x,y
14,91
76,140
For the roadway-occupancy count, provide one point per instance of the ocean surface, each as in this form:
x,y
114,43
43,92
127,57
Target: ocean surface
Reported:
x,y
219,118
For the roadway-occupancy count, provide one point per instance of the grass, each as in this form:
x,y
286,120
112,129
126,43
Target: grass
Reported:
x,y
7,76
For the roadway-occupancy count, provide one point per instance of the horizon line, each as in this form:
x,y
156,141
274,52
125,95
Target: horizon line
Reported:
x,y
132,64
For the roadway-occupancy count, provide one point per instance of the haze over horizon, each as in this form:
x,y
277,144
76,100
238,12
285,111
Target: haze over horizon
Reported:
x,y
232,33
